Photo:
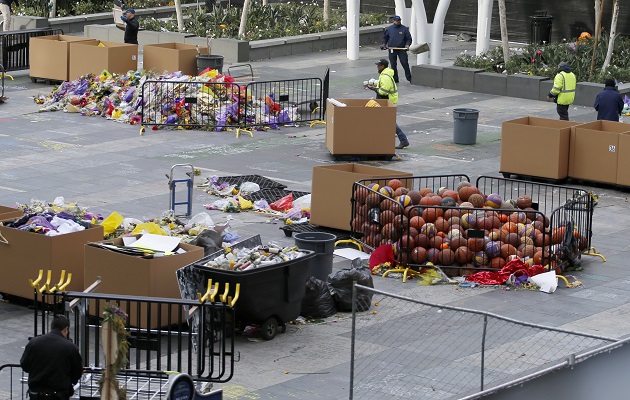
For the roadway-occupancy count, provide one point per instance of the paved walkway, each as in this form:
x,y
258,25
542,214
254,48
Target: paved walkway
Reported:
x,y
107,166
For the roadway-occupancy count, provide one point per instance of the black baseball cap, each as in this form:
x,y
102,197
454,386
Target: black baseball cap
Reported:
x,y
383,62
396,18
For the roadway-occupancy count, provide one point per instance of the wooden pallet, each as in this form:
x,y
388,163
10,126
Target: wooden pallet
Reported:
x,y
46,81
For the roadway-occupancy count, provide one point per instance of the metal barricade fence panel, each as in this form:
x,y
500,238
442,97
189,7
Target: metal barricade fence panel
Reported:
x,y
13,382
271,103
420,350
14,47
191,104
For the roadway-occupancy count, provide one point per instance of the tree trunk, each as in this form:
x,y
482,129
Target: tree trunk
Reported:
x,y
326,9
52,12
613,34
265,2
504,32
598,28
598,9
244,14
179,15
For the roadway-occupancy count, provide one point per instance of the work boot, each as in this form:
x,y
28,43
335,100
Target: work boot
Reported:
x,y
402,145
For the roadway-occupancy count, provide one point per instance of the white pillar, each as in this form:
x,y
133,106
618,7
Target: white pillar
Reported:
x,y
352,31
484,21
421,30
438,31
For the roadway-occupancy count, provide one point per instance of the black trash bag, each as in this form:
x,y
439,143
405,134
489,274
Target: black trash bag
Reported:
x,y
569,252
318,301
341,281
210,240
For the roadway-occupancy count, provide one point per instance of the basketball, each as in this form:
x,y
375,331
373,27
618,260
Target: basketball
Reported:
x,y
428,229
512,239
508,250
419,255
523,201
407,242
357,223
453,233
462,184
463,255
527,250
506,205
415,196
450,193
416,222
477,200
458,241
517,217
448,202
475,244
494,200
404,200
386,191
442,225
400,191
452,212
435,242
493,249
466,204
432,214
394,206
447,257
413,232
433,255
390,232
436,200
465,192
373,186
386,217
425,191
481,259
557,235
395,184
528,231
527,240
373,200
360,194
422,240
497,263
542,240
412,211
401,222
538,257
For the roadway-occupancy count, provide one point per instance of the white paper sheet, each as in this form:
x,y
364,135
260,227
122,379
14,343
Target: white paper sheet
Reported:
x,y
351,254
547,281
157,242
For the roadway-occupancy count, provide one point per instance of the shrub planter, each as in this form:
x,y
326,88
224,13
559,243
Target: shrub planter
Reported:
x,y
524,86
459,78
426,75
491,83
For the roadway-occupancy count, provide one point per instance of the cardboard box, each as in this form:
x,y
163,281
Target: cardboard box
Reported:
x,y
50,56
548,139
136,276
9,213
172,57
27,252
623,160
89,57
332,191
357,129
594,150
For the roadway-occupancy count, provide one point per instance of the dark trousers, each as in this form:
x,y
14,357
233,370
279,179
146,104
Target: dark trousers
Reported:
x,y
404,61
563,111
47,396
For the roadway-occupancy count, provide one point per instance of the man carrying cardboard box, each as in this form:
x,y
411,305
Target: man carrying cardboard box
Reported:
x,y
386,88
132,26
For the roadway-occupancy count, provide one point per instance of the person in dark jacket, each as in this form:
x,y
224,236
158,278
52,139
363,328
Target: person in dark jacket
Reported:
x,y
608,102
53,363
5,10
132,26
398,36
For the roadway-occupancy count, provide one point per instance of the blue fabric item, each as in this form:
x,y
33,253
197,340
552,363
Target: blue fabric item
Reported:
x,y
563,66
608,104
401,135
130,10
396,36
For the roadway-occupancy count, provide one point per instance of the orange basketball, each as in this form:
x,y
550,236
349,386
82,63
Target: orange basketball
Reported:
x,y
463,255
538,257
419,255
475,244
425,191
416,222
415,196
452,212
442,225
465,192
497,263
432,214
400,191
395,184
557,235
435,242
447,257
422,240
508,250
458,241
477,200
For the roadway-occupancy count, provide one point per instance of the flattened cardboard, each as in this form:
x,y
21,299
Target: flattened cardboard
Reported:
x,y
332,191
623,160
548,138
28,252
594,150
9,213
356,129
89,57
136,276
50,56
172,57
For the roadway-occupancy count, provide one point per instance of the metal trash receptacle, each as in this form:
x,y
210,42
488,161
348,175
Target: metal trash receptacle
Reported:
x,y
541,28
323,244
209,61
465,125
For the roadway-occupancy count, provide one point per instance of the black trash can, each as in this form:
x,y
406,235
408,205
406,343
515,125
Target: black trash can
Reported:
x,y
209,61
541,28
465,125
323,244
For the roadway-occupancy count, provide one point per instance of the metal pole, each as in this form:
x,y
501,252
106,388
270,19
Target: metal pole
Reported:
x,y
353,336
483,347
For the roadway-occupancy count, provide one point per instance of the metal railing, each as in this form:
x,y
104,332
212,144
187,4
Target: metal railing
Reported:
x,y
14,47
420,350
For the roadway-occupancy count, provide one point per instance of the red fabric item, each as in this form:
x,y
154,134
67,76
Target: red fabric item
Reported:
x,y
283,204
516,267
382,254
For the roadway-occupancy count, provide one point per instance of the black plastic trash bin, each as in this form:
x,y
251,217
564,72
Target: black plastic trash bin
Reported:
x,y
465,125
541,28
209,61
323,244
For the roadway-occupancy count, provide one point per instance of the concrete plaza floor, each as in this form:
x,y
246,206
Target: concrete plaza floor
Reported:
x,y
107,166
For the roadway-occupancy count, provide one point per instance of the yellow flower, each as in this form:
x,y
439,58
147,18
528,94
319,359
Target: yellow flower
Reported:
x,y
223,26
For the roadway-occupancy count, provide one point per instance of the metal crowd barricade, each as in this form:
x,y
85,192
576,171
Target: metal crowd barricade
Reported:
x,y
192,337
13,382
190,104
14,47
2,71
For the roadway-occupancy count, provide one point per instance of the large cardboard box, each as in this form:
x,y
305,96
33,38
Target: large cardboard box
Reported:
x,y
136,276
172,57
8,213
50,56
90,57
594,150
25,253
548,139
623,160
332,191
357,129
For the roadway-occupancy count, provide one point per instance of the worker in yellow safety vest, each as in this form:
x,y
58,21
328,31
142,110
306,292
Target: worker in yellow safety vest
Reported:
x,y
563,91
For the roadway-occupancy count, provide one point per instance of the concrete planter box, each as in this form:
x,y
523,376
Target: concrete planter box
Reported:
x,y
586,92
459,78
427,75
491,83
524,86
545,88
233,50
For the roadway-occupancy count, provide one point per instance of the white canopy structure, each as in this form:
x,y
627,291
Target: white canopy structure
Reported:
x,y
421,31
